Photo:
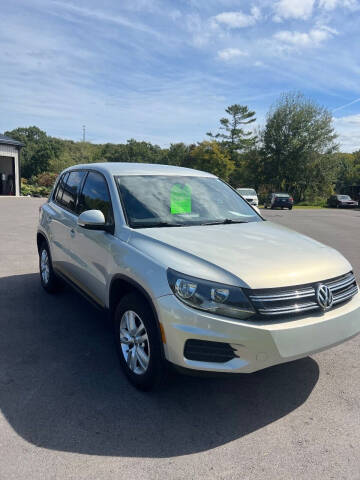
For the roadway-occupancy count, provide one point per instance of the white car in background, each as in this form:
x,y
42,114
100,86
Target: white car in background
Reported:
x,y
250,195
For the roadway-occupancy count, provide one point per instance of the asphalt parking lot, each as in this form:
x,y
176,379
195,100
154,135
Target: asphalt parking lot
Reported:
x,y
68,413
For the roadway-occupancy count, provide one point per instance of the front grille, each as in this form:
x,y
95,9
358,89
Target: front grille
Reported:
x,y
204,351
302,298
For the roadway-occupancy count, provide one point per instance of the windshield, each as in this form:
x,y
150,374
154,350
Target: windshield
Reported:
x,y
246,191
344,197
163,200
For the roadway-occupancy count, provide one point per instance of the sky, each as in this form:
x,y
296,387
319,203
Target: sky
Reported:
x,y
164,71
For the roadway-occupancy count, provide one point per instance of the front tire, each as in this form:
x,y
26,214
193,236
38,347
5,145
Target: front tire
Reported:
x,y
49,281
138,342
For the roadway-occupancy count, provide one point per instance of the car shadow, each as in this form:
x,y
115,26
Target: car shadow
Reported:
x,y
61,387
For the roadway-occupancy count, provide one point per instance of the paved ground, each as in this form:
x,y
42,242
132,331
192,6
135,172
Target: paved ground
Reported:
x,y
67,413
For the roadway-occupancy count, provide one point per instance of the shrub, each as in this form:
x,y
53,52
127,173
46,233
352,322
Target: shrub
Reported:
x,y
45,179
34,190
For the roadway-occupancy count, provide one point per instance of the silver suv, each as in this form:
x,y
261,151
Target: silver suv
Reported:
x,y
190,273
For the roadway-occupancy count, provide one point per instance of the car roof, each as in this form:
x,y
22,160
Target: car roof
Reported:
x,y
124,168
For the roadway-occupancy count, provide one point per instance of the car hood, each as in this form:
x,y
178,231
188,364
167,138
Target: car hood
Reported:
x,y
255,255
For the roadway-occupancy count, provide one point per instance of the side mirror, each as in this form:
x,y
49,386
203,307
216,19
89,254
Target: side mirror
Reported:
x,y
92,220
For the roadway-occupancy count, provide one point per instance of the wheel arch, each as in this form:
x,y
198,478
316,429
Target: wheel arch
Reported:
x,y
40,238
122,285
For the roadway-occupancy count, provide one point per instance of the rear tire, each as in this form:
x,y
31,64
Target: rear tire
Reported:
x,y
138,343
50,282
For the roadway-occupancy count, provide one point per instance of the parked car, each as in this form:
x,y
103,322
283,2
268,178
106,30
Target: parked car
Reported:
x,y
342,201
279,200
250,195
189,273
353,191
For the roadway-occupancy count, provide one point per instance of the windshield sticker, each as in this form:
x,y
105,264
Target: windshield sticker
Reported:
x,y
180,199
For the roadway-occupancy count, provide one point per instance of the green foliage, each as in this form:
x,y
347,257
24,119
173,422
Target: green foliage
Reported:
x,y
38,150
34,190
298,140
314,202
177,154
46,179
295,152
348,169
209,156
232,134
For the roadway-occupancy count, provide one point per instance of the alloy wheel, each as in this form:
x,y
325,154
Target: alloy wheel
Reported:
x,y
134,342
45,266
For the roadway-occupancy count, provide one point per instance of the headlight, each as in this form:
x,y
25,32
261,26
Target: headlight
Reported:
x,y
210,296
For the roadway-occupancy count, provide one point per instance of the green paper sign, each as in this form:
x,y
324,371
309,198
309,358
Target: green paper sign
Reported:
x,y
180,199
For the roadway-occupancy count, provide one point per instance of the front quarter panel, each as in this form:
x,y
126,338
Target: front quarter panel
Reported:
x,y
130,263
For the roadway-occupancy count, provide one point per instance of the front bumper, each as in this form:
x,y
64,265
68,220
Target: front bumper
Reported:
x,y
257,344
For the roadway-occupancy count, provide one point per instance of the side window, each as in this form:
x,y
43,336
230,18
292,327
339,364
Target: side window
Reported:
x,y
60,188
71,189
95,196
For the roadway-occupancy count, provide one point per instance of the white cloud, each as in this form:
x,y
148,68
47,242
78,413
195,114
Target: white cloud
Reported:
x,y
348,129
200,30
238,19
230,54
104,16
332,4
313,38
294,9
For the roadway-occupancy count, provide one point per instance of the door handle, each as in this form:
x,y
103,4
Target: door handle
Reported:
x,y
72,233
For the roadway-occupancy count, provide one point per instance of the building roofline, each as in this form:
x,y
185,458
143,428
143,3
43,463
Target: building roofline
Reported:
x,y
4,140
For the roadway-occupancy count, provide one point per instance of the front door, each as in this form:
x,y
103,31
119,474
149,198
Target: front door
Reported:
x,y
94,246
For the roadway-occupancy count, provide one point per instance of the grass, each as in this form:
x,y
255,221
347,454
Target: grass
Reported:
x,y
308,206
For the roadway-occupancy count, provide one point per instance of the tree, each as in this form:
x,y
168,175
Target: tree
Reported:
x,y
209,156
232,134
37,152
114,153
177,154
143,152
297,133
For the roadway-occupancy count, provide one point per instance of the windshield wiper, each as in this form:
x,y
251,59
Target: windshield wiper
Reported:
x,y
225,221
156,225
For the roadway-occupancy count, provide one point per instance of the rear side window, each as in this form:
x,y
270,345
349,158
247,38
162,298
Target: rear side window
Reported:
x,y
71,189
95,196
60,188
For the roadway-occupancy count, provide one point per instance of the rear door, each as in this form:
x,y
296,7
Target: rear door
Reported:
x,y
93,247
64,221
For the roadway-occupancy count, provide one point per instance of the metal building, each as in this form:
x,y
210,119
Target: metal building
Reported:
x,y
9,166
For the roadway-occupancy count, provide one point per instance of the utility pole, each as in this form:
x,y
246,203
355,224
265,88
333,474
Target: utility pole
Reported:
x,y
84,127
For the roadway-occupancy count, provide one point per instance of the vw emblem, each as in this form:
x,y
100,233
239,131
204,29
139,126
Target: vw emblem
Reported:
x,y
324,297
